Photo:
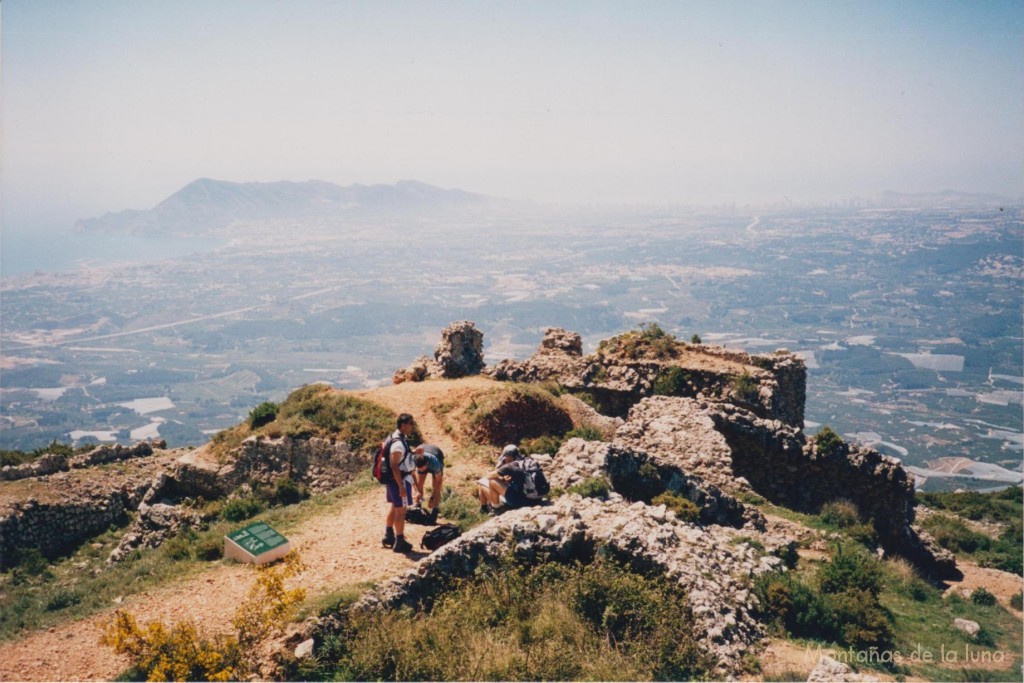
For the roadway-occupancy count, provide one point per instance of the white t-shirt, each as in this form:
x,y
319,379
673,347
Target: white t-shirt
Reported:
x,y
399,446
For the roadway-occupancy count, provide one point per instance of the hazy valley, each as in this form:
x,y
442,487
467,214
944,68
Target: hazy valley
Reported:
x,y
909,319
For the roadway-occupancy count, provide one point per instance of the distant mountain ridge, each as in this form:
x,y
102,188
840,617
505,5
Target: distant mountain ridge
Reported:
x,y
207,204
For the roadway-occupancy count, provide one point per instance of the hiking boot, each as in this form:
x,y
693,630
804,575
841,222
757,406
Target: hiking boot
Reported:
x,y
389,539
485,509
433,517
402,546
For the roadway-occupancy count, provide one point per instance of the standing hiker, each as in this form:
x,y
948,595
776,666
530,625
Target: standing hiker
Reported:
x,y
399,484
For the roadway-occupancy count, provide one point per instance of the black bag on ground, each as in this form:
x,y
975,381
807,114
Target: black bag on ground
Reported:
x,y
439,535
417,515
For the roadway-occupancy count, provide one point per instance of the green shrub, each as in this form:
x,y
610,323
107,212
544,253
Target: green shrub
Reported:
x,y
828,443
954,534
980,596
319,410
695,339
242,508
585,432
550,443
287,492
672,381
15,458
262,414
510,622
594,487
788,553
840,514
686,510
460,509
1017,601
851,569
651,341
542,444
745,386
62,599
844,606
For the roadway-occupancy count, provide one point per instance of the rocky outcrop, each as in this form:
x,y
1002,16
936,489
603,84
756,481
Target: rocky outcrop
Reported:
x,y
640,476
829,670
583,415
459,354
707,562
681,431
562,342
160,516
738,451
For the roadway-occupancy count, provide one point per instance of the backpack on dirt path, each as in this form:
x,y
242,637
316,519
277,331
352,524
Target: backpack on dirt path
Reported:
x,y
439,535
535,484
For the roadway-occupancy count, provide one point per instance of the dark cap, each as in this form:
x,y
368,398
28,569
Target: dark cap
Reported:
x,y
405,419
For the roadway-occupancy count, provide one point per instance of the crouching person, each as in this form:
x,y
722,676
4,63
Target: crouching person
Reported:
x,y
518,481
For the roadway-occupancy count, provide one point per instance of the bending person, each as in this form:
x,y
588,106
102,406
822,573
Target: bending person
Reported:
x,y
430,461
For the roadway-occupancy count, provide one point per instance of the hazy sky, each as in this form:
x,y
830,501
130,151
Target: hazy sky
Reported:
x,y
113,104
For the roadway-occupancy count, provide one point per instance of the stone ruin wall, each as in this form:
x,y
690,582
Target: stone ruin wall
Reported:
x,y
620,383
320,464
54,528
50,463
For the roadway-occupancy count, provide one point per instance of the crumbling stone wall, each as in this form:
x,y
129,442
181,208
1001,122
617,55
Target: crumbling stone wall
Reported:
x,y
55,528
40,467
617,383
50,463
318,463
459,354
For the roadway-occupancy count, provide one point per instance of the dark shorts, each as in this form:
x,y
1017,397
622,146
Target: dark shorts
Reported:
x,y
394,497
514,497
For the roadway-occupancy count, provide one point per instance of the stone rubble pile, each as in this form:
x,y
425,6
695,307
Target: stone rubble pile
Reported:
x,y
160,516
710,563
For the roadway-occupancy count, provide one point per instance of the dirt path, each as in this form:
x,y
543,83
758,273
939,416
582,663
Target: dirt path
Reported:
x,y
1003,585
339,550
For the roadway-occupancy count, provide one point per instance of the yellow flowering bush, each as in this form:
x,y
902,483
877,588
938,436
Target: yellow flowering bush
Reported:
x,y
182,653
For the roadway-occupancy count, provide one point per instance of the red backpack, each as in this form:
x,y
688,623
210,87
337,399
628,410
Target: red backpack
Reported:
x,y
382,462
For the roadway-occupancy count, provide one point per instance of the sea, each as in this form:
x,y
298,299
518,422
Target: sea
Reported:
x,y
67,251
